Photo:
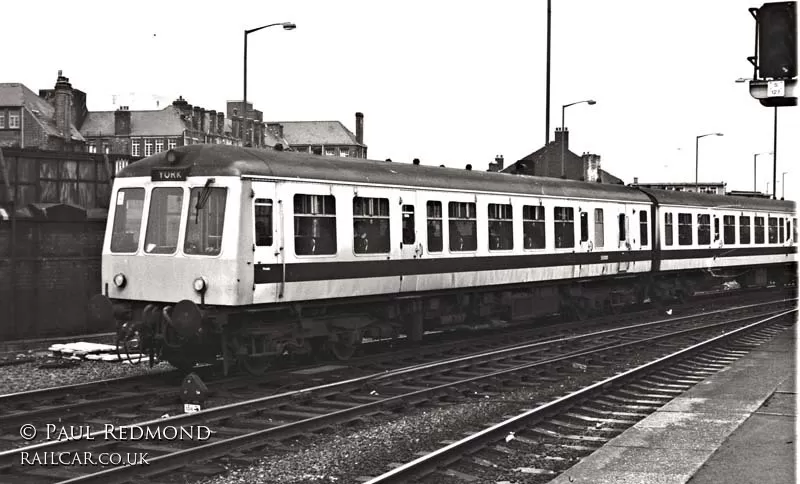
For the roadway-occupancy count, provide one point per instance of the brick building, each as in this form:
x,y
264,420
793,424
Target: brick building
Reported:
x,y
143,133
546,161
48,121
326,138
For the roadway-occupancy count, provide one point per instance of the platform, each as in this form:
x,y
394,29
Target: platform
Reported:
x,y
737,426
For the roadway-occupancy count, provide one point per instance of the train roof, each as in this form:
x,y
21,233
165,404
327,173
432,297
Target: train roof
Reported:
x,y
225,160
694,199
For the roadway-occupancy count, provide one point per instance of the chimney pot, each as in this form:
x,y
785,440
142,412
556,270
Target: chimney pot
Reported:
x,y
416,161
469,167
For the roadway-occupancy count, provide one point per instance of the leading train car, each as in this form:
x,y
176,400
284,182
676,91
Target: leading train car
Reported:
x,y
252,254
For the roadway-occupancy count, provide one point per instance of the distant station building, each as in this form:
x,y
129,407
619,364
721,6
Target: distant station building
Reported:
x,y
324,138
546,162
714,188
48,121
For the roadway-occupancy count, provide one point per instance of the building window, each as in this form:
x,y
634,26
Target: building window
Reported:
x,y
501,227
13,119
684,229
409,235
330,151
759,230
703,229
148,147
263,215
435,226
135,147
92,148
533,226
344,152
668,229
564,227
463,226
599,228
316,150
370,225
106,148
728,229
159,145
2,118
171,143
773,230
744,230
314,224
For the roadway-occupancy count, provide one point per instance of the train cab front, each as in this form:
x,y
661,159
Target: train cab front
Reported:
x,y
169,262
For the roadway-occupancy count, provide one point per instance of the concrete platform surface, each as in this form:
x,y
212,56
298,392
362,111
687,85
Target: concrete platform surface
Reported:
x,y
737,426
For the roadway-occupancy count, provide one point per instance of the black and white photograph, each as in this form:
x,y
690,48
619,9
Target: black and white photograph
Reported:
x,y
374,242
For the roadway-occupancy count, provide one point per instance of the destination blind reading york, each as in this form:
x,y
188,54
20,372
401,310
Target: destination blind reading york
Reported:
x,y
168,174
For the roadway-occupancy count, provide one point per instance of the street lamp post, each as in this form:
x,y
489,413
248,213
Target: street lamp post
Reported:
x,y
697,157
286,26
754,168
783,185
564,108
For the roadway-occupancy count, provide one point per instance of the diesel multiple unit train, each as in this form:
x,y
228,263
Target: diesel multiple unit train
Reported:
x,y
215,250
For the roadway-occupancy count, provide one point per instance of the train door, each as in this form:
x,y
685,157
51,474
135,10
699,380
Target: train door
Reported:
x,y
409,241
268,253
623,240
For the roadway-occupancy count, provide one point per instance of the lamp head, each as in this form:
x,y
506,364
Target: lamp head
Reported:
x,y
591,102
288,26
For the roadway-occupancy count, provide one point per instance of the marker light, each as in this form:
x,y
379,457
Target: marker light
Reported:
x,y
200,284
120,280
172,157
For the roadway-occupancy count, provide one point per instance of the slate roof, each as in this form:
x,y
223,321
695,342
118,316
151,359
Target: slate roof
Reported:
x,y
317,133
16,94
163,122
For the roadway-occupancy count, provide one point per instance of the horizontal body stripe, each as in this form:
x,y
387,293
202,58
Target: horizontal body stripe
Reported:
x,y
727,252
317,271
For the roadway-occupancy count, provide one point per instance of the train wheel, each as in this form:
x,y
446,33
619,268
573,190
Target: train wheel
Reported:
x,y
345,346
255,365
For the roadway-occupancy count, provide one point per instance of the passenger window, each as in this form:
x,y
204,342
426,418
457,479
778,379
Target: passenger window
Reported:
x,y
599,228
744,230
501,227
127,220
716,229
533,227
703,229
684,229
408,224
164,220
759,230
773,230
564,227
314,224
794,232
621,223
780,231
263,215
434,226
728,229
643,227
584,226
206,221
668,229
370,225
463,226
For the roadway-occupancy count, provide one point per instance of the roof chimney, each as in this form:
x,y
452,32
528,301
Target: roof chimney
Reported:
x,y
63,106
562,135
122,121
360,128
469,167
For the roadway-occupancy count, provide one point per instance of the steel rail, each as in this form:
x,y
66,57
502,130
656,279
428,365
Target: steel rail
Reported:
x,y
211,450
453,452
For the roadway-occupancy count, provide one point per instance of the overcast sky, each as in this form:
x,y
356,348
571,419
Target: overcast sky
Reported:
x,y
449,82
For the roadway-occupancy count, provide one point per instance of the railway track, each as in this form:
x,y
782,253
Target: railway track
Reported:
x,y
135,399
284,415
560,432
